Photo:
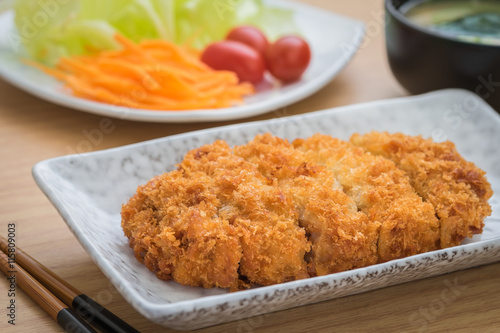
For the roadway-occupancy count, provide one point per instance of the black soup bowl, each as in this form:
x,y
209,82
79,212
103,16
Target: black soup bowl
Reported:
x,y
423,60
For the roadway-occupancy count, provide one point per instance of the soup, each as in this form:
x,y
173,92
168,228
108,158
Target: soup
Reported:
x,y
476,21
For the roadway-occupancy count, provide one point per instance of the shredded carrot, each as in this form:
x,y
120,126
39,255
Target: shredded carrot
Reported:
x,y
153,75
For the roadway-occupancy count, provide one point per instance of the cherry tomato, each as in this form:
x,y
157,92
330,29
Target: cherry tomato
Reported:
x,y
288,58
237,57
250,36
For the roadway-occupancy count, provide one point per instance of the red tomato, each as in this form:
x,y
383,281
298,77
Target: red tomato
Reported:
x,y
250,36
237,57
288,58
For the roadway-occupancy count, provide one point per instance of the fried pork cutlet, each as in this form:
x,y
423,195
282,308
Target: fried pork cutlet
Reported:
x,y
381,191
273,245
214,219
271,211
457,189
342,238
173,229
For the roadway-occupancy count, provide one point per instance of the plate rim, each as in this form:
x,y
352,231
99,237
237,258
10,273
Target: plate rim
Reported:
x,y
206,115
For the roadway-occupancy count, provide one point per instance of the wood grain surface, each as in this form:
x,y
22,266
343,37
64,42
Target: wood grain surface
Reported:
x,y
32,130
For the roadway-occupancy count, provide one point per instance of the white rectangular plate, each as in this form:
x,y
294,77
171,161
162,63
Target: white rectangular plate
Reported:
x,y
89,189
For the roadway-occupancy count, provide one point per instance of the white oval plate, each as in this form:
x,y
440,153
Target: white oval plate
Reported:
x,y
89,189
330,55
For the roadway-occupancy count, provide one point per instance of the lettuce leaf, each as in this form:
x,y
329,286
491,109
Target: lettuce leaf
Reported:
x,y
50,29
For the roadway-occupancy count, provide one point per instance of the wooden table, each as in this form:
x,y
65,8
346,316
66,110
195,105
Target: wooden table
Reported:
x,y
33,130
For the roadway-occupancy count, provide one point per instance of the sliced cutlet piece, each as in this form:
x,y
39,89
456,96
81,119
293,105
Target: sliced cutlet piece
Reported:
x,y
214,219
381,191
456,188
173,228
273,244
342,238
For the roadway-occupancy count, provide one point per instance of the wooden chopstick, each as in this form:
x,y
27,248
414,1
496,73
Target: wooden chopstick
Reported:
x,y
56,309
85,306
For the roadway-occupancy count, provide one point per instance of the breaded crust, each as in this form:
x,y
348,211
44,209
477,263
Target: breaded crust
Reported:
x,y
456,188
173,229
216,222
381,191
342,238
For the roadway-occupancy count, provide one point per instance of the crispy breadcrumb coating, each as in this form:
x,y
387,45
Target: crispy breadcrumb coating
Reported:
x,y
457,189
342,238
172,225
273,243
382,192
272,211
214,219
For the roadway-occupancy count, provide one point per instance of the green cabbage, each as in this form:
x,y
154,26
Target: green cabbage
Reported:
x,y
49,29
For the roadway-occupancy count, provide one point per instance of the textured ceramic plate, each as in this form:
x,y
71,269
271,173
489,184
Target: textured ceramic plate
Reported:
x,y
330,55
89,189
